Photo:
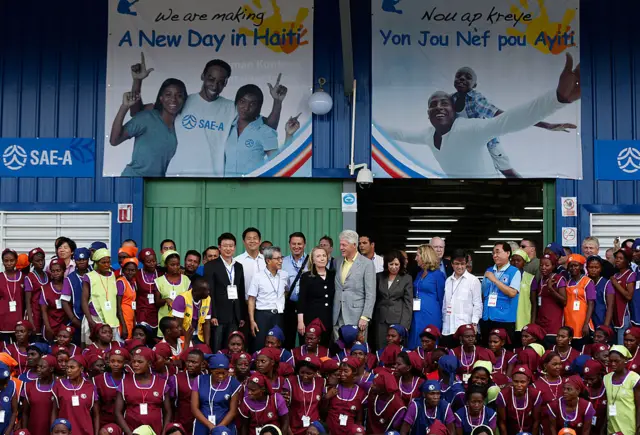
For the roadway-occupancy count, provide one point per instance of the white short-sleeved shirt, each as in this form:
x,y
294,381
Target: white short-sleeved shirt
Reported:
x,y
202,129
269,290
251,266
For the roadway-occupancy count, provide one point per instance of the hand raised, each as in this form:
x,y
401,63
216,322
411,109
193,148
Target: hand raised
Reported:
x,y
568,89
129,99
277,91
292,125
139,71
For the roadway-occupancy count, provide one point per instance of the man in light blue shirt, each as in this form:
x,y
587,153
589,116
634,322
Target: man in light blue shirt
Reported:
x,y
250,139
292,264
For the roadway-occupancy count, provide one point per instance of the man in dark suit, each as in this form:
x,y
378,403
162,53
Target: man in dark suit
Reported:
x,y
326,242
226,279
445,265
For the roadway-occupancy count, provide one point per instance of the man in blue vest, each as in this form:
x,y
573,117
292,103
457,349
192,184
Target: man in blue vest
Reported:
x,y
500,289
72,291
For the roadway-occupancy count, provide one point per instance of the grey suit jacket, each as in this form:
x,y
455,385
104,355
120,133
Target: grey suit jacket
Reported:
x,y
394,304
357,296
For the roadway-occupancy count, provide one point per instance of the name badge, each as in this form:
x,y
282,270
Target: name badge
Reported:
x,y
13,306
612,410
493,300
306,421
449,310
151,298
594,420
212,419
58,304
144,410
258,429
75,401
133,305
2,416
416,304
466,377
107,305
232,292
343,419
539,301
173,294
576,305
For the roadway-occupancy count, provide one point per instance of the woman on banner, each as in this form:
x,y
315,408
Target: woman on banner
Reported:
x,y
155,136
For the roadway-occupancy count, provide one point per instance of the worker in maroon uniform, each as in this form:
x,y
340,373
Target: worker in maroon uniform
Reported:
x,y
468,353
593,374
345,401
146,310
505,359
261,406
428,341
385,407
76,399
519,405
563,348
550,381
306,394
33,287
267,362
632,343
12,295
107,384
551,298
241,366
38,398
570,410
18,349
185,383
64,335
408,370
236,343
143,398
53,315
311,346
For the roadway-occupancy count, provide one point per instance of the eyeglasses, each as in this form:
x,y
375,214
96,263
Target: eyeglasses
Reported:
x,y
277,258
524,246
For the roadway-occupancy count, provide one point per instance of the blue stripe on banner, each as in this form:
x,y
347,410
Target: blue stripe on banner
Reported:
x,y
411,173
274,170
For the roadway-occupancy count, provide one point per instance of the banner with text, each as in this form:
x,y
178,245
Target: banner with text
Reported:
x,y
476,89
197,88
48,157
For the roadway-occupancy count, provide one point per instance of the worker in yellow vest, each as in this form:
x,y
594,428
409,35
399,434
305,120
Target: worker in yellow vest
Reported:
x,y
194,308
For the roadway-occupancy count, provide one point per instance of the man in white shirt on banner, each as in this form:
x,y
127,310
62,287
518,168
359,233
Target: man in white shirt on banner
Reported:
x,y
251,259
267,297
462,300
367,247
204,123
450,138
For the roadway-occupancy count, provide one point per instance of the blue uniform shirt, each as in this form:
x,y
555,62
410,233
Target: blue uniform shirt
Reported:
x,y
154,146
246,153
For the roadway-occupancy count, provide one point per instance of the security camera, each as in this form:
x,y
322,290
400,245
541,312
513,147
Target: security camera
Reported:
x,y
365,177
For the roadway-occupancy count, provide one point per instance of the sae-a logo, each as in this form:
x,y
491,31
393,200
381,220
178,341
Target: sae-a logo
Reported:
x,y
617,159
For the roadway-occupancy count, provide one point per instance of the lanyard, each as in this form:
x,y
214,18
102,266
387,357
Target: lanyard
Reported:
x,y
74,389
275,288
305,408
453,291
106,290
12,296
564,417
230,271
469,418
153,280
524,410
215,391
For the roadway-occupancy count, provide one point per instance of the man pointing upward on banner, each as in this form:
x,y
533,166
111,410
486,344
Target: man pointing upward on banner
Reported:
x,y
459,144
205,121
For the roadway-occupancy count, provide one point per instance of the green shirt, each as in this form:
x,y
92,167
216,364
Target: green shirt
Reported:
x,y
154,146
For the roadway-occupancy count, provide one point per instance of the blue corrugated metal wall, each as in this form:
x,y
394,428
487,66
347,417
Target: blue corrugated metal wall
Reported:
x,y
610,70
52,70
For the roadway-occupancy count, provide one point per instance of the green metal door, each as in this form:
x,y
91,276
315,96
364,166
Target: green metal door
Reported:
x,y
195,212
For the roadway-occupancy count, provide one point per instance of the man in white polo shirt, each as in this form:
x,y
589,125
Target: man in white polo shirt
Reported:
x,y
204,123
251,259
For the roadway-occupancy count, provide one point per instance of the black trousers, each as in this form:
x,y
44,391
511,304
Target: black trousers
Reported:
x,y
487,325
290,327
266,319
221,334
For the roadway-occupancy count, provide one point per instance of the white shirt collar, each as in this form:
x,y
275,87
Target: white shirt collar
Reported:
x,y
503,268
245,255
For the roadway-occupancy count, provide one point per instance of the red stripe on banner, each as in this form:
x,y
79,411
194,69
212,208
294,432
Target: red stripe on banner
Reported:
x,y
386,165
297,163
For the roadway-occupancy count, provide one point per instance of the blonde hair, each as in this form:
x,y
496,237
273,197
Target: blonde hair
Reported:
x,y
429,257
312,266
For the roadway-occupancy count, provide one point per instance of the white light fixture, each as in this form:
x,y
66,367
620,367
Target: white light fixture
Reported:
x,y
410,252
519,231
486,246
320,102
429,231
497,239
534,208
423,238
433,220
483,252
436,208
525,220
412,246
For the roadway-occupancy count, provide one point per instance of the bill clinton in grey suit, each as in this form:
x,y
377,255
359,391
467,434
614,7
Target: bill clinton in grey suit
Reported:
x,y
355,294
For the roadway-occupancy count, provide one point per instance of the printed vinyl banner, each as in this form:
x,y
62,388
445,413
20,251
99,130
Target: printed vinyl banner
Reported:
x,y
200,88
476,89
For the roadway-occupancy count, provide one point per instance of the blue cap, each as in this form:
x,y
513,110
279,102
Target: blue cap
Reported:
x,y
392,432
319,426
217,361
430,386
5,373
41,348
220,430
81,254
577,366
62,421
636,245
349,334
360,347
277,333
98,245
557,249
401,330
